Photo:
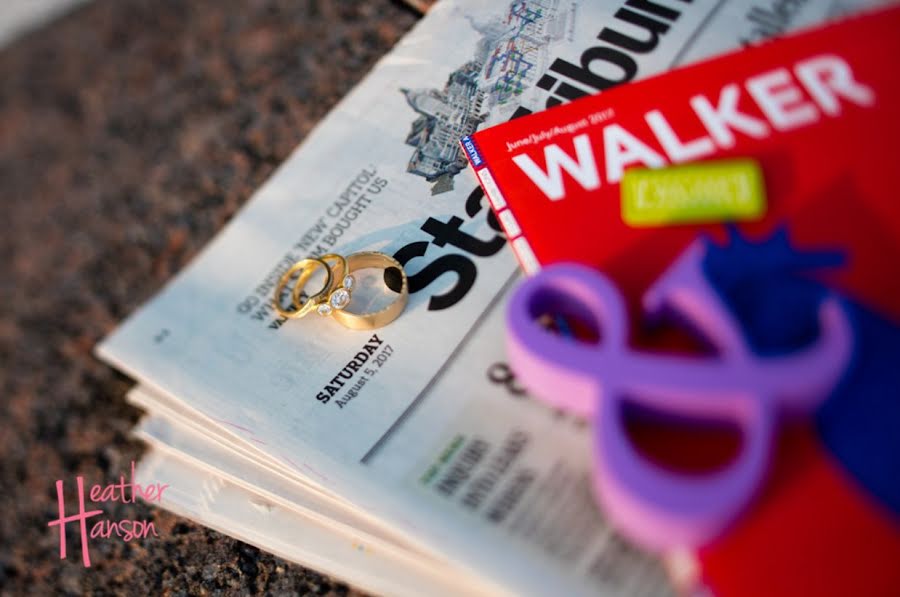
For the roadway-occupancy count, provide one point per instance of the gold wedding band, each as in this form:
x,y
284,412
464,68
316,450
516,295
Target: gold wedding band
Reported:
x,y
341,262
305,267
382,317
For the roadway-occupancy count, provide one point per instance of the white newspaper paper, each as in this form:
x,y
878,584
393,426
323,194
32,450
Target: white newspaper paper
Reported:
x,y
428,433
168,431
252,518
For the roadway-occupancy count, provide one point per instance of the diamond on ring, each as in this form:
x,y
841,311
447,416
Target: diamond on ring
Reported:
x,y
340,298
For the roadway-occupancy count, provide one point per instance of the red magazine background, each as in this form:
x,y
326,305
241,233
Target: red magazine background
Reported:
x,y
836,183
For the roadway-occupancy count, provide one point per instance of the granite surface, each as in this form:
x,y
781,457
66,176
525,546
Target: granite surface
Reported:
x,y
130,132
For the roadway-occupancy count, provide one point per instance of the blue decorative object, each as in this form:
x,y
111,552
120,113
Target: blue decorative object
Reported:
x,y
769,289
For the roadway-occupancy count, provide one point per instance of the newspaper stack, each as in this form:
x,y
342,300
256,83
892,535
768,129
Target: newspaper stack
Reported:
x,y
435,473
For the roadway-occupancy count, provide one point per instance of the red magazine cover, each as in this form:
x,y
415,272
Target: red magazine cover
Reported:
x,y
820,113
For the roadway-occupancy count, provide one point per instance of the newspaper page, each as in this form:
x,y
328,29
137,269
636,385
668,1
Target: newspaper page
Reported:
x,y
252,518
174,435
435,438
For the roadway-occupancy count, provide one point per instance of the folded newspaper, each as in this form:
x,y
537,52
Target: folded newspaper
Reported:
x,y
433,471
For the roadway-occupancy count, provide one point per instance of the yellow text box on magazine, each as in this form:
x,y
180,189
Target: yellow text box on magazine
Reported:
x,y
702,192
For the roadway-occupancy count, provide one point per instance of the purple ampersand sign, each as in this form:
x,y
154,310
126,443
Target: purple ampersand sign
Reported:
x,y
657,507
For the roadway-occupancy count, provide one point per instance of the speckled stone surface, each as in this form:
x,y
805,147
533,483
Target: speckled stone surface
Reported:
x,y
130,132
